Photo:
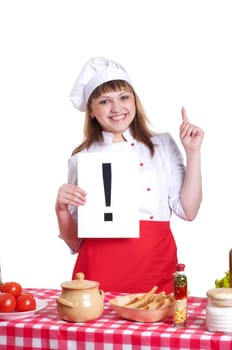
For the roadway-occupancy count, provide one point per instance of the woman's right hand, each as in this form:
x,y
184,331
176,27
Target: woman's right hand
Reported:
x,y
69,194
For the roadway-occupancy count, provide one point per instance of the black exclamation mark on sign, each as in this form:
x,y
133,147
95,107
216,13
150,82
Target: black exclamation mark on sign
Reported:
x,y
107,181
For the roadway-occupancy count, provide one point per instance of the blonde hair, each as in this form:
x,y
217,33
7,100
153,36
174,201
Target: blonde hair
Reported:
x,y
139,126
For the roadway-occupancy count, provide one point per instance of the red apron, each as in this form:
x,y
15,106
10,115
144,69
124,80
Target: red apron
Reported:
x,y
131,265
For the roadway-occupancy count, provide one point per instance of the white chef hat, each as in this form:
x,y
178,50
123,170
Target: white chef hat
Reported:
x,y
97,70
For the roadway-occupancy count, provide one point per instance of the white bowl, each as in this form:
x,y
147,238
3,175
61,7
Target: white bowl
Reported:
x,y
40,305
133,314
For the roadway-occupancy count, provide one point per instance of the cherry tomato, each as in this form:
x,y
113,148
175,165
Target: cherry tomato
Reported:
x,y
25,302
7,302
13,288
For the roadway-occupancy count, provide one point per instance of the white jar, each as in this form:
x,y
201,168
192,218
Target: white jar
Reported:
x,y
219,310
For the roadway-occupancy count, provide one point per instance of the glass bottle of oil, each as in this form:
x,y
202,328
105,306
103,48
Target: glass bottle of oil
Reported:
x,y
180,296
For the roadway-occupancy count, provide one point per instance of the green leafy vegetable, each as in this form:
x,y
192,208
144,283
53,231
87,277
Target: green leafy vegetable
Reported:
x,y
223,282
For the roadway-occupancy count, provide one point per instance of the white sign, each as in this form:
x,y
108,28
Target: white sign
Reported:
x,y
111,182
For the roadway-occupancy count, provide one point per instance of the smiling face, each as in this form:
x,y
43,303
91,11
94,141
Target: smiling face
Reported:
x,y
114,111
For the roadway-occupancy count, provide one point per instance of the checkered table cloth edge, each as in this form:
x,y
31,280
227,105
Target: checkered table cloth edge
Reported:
x,y
44,330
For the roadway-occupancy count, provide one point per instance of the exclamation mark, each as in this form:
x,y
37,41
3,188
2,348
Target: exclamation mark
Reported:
x,y
107,181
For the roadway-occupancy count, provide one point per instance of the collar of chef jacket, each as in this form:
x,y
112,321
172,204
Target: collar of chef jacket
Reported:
x,y
108,136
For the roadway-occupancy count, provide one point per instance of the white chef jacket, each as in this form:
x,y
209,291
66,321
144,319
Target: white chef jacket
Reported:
x,y
160,176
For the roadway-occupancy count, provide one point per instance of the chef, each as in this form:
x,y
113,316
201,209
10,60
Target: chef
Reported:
x,y
116,121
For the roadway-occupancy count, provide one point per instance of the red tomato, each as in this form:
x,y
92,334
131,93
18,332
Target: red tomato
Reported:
x,y
28,293
13,288
7,302
25,302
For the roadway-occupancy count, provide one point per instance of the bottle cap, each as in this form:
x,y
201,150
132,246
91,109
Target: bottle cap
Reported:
x,y
180,267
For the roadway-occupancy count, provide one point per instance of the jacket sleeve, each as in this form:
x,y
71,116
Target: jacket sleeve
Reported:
x,y
72,179
177,174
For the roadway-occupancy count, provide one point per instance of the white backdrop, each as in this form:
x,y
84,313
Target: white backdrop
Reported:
x,y
178,53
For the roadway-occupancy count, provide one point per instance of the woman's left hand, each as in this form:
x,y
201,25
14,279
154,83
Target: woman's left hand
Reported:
x,y
191,135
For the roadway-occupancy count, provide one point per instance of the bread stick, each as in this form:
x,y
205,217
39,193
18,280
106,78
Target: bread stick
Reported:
x,y
142,300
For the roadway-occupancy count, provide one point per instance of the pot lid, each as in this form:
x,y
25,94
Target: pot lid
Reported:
x,y
220,296
80,283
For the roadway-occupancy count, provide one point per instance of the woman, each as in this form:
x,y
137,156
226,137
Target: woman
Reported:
x,y
115,118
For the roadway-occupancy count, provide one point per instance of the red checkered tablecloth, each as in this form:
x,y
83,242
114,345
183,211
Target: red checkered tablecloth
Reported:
x,y
44,330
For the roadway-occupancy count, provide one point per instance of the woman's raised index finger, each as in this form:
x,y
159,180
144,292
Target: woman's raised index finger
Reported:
x,y
184,115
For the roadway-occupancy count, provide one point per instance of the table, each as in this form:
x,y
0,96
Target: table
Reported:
x,y
44,330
